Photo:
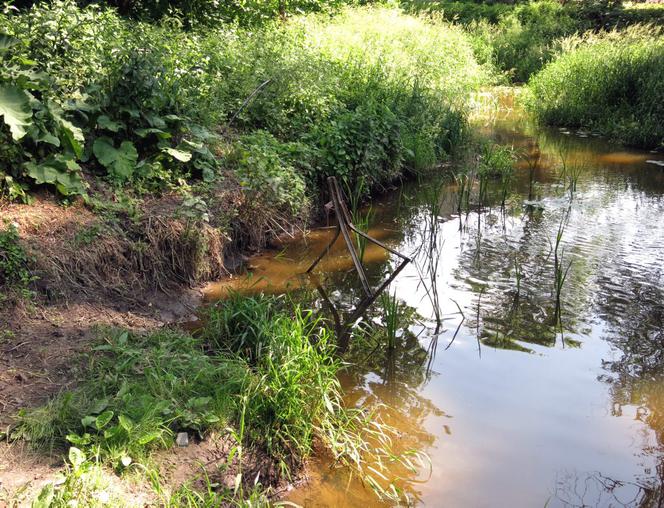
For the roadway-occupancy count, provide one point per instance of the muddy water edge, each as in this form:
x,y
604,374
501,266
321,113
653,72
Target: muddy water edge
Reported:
x,y
515,403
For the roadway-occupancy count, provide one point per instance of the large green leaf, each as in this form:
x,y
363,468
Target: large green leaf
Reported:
x,y
179,155
15,110
120,162
59,170
71,135
7,42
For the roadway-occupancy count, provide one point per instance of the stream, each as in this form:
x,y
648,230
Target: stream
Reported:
x,y
513,407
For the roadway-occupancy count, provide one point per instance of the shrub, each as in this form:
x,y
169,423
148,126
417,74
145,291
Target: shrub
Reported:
x,y
612,82
525,38
519,38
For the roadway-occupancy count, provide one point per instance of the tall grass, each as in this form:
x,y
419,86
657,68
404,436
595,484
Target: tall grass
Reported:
x,y
263,367
612,82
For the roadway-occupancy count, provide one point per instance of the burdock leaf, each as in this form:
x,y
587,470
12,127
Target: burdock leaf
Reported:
x,y
15,110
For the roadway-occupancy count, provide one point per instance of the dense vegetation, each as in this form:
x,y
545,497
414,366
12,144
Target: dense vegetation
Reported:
x,y
116,103
592,64
519,38
283,105
612,82
264,367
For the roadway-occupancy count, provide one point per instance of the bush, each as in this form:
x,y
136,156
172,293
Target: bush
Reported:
x,y
525,38
520,38
612,82
369,94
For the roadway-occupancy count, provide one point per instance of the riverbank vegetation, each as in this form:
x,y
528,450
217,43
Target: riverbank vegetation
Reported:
x,y
593,65
261,376
145,147
612,82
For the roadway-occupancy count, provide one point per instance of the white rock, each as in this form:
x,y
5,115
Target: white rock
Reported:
x,y
182,439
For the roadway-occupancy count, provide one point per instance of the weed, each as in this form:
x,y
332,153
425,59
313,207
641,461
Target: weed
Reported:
x,y
138,391
560,271
390,311
15,273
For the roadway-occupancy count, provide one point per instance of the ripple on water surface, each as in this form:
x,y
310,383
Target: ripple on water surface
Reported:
x,y
511,411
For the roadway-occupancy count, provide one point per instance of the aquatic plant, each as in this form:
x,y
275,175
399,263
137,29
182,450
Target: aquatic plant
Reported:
x,y
560,271
389,306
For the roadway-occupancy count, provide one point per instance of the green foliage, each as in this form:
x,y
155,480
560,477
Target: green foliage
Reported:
x,y
138,391
294,386
61,107
83,483
15,274
370,93
525,37
520,37
194,13
462,11
266,167
612,82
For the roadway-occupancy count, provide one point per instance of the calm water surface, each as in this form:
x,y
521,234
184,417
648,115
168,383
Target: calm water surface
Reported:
x,y
511,410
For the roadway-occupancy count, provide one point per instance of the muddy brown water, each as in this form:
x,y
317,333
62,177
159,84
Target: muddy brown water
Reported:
x,y
511,411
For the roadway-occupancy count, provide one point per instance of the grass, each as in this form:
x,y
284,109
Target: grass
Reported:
x,y
263,369
520,38
138,391
611,82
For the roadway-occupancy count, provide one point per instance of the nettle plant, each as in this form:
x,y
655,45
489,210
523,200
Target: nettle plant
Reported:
x,y
46,134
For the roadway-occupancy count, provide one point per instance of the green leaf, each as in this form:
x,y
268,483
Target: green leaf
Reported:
x,y
100,404
45,497
59,170
120,162
103,419
7,42
88,421
104,122
126,423
149,437
15,109
76,456
83,440
180,155
143,133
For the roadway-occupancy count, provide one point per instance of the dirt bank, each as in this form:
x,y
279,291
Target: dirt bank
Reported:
x,y
135,264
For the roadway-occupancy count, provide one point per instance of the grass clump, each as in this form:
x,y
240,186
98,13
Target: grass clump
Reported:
x,y
612,82
137,391
262,369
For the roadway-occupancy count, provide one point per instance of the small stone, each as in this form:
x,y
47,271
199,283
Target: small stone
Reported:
x,y
182,439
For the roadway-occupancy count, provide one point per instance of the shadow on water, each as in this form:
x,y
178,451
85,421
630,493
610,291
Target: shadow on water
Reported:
x,y
527,356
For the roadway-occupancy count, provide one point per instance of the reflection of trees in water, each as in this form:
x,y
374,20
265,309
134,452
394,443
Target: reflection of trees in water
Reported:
x,y
518,309
574,490
632,305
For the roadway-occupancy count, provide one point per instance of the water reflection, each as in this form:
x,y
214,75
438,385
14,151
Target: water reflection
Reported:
x,y
578,420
